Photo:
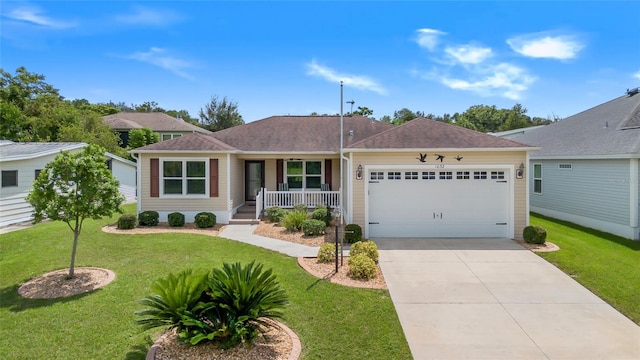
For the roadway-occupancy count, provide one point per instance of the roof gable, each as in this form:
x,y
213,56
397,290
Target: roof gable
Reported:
x,y
12,151
157,121
426,133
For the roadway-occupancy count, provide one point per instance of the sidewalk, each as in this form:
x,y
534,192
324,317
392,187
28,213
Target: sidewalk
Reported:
x,y
244,233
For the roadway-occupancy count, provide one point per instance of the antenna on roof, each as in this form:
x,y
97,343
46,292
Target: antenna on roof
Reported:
x,y
351,102
629,92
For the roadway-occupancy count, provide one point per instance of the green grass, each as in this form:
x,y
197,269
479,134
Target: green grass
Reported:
x,y
606,264
333,321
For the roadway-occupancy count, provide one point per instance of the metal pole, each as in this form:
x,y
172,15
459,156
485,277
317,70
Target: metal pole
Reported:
x,y
341,167
336,248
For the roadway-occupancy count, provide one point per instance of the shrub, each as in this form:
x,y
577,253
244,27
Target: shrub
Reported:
x,y
313,227
352,233
323,214
293,220
225,306
534,234
205,220
148,218
327,252
127,221
366,247
361,267
176,219
275,214
300,208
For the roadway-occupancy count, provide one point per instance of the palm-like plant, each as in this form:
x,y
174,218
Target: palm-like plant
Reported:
x,y
173,297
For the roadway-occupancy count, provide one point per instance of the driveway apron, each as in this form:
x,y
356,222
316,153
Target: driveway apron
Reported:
x,y
493,299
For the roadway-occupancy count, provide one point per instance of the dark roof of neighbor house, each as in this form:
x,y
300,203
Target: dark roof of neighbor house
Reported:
x,y
190,142
157,121
425,133
321,134
300,133
612,128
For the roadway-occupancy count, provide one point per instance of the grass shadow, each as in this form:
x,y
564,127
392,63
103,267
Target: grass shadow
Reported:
x,y
139,351
11,300
631,244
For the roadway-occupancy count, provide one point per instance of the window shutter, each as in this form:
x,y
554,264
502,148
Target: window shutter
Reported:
x,y
213,177
279,171
327,172
155,177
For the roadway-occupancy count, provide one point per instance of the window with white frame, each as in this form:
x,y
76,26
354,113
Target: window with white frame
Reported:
x,y
462,175
394,175
411,175
445,175
497,175
537,178
428,175
479,175
184,177
165,137
304,174
377,175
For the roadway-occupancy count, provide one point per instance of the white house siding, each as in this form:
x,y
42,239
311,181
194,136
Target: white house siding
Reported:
x,y
125,172
188,206
237,183
512,158
598,195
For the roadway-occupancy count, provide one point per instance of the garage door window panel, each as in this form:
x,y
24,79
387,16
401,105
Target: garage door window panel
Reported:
x,y
394,175
462,175
428,175
446,175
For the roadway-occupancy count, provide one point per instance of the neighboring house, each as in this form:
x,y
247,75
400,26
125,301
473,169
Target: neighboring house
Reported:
x,y
421,179
166,126
21,163
586,170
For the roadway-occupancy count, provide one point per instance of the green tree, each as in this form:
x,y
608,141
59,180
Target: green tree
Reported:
x,y
184,115
220,114
74,187
18,89
142,137
363,111
516,119
148,106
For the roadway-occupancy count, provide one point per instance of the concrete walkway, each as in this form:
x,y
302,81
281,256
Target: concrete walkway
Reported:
x,y
493,299
244,233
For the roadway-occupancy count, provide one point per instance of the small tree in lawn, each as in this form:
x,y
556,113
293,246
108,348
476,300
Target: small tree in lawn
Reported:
x,y
74,187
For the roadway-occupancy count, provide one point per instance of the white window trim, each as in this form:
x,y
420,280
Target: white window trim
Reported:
x,y
184,195
17,178
172,136
304,173
535,178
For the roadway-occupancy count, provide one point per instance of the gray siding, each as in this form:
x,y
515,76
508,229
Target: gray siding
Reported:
x,y
597,189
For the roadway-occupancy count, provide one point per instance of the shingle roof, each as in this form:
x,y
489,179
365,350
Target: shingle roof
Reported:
x,y
299,133
154,120
425,133
11,151
612,128
190,142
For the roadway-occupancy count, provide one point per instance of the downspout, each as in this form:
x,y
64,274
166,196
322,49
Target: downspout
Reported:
x,y
229,203
526,184
634,197
138,182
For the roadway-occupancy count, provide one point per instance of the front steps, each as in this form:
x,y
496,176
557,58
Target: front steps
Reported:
x,y
246,215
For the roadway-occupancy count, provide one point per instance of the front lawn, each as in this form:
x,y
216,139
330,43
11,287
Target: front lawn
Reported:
x,y
606,264
333,322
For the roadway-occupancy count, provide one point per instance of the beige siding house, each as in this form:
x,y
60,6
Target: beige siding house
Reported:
x,y
421,179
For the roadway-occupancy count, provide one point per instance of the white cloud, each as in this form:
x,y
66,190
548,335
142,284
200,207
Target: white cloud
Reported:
x,y
355,81
504,79
637,75
542,45
33,16
428,38
147,16
160,58
468,54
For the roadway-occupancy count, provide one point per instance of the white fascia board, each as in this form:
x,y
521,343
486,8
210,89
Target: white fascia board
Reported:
x,y
444,149
123,160
134,151
44,153
289,153
584,157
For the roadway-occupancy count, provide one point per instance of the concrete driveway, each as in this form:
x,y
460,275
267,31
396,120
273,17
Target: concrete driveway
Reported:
x,y
493,299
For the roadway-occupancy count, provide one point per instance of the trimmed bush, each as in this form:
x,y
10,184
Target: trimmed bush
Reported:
x,y
205,220
313,227
176,219
352,233
275,214
323,214
148,218
300,208
534,234
361,267
293,220
127,221
327,252
366,247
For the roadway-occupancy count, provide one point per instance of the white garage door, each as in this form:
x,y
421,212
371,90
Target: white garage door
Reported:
x,y
439,203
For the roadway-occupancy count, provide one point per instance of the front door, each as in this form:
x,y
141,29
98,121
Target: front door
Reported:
x,y
254,179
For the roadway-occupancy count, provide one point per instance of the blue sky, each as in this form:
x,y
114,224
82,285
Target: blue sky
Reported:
x,y
278,58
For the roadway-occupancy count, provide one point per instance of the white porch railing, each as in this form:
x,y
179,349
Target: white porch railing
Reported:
x,y
259,203
311,198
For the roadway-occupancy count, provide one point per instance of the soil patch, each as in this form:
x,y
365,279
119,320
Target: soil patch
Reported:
x,y
275,231
546,247
327,271
55,284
